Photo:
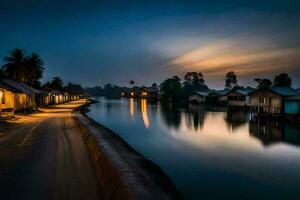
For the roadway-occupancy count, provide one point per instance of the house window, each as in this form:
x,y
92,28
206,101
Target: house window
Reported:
x,y
242,98
263,100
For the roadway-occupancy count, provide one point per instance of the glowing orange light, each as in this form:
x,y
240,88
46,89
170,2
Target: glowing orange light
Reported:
x,y
131,93
144,113
1,95
131,107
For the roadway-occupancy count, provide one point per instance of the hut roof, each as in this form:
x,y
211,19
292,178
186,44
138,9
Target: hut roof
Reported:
x,y
283,91
222,92
202,93
8,87
31,89
57,92
20,87
245,91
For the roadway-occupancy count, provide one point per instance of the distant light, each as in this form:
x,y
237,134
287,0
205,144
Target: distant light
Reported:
x,y
144,93
131,93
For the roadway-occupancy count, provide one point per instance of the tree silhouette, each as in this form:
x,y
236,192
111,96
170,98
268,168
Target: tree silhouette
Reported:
x,y
37,85
263,83
15,67
55,84
192,76
35,67
47,86
154,85
23,69
194,82
131,82
72,88
171,89
282,80
231,80
2,75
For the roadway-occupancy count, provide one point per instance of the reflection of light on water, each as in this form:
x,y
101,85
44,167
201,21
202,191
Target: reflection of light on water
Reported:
x,y
215,135
144,113
131,108
236,151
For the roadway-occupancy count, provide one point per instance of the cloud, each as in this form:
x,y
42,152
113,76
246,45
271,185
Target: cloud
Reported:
x,y
243,55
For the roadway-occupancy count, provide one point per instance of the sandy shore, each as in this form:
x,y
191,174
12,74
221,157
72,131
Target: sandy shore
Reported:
x,y
122,172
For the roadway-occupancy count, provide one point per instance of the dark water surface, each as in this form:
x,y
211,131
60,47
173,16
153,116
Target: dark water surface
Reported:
x,y
209,154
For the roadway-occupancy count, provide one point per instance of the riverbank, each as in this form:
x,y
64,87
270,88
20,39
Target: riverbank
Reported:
x,y
122,172
62,154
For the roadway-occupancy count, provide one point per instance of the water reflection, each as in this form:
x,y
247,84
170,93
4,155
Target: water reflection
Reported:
x,y
235,119
195,116
200,119
144,113
171,116
273,132
131,108
207,149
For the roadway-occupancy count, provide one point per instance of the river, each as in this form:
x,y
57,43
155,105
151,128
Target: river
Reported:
x,y
209,153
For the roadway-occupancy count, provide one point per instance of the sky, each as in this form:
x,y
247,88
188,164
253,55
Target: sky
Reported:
x,y
95,42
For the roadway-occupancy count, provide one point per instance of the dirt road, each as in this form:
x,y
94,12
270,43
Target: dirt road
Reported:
x,y
43,156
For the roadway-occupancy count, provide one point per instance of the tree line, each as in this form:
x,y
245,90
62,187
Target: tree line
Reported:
x,y
29,69
109,90
175,90
178,90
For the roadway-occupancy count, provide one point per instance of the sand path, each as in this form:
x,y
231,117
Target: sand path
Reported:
x,y
43,156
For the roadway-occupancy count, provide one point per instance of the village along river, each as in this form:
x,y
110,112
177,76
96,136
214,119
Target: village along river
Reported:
x,y
208,153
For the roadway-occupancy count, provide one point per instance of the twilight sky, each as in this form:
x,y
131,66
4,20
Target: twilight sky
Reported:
x,y
94,42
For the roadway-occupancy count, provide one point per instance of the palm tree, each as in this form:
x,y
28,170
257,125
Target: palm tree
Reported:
x,y
57,83
15,67
131,82
34,65
2,75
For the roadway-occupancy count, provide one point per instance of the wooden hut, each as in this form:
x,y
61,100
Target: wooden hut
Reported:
x,y
7,98
153,92
143,92
18,96
270,100
218,96
239,97
43,99
56,97
199,97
